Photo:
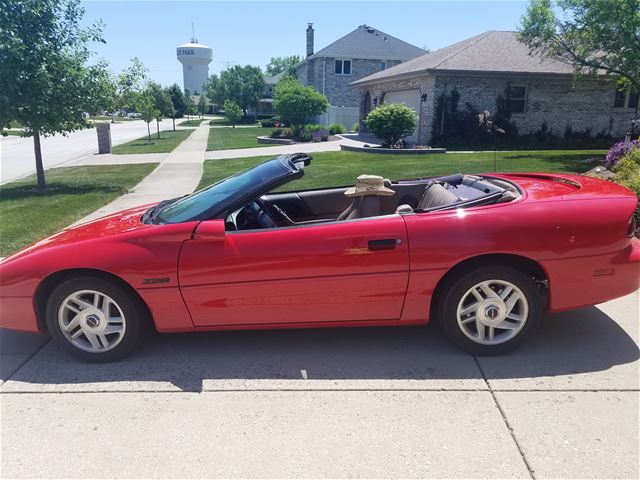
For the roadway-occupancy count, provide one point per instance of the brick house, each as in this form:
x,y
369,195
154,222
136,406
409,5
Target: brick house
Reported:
x,y
496,65
358,54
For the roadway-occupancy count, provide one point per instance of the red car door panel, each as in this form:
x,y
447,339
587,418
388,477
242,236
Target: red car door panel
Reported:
x,y
338,271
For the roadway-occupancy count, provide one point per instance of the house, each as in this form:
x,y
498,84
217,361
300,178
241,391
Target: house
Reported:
x,y
265,104
492,67
358,54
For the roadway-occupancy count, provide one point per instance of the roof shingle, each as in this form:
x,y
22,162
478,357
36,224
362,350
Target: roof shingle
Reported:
x,y
367,42
490,51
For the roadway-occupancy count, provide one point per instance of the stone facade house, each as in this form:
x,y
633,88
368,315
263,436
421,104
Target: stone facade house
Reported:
x,y
492,66
358,54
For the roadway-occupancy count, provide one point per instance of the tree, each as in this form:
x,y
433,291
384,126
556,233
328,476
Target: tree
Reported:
x,y
214,90
202,105
296,104
145,105
592,35
161,102
129,85
244,85
190,107
391,122
233,112
178,100
45,83
283,64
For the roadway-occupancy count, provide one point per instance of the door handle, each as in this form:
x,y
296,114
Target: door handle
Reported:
x,y
386,244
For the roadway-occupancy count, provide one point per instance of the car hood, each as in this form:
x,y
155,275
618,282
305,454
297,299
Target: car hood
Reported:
x,y
123,222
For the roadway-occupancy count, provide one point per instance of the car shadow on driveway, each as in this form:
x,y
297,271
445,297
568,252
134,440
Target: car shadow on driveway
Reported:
x,y
581,341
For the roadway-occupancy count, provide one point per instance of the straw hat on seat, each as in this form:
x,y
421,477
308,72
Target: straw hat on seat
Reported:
x,y
369,185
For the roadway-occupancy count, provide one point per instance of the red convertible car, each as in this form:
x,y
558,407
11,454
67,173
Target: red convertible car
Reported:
x,y
485,255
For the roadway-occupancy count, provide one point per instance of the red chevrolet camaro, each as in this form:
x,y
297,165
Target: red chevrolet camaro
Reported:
x,y
485,255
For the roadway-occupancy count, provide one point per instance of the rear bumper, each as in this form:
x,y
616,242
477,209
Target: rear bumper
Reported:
x,y
579,282
17,313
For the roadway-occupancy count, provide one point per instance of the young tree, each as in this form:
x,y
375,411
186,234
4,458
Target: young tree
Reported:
x,y
391,122
161,102
591,35
190,107
129,85
283,64
233,112
202,105
45,83
296,104
178,100
145,105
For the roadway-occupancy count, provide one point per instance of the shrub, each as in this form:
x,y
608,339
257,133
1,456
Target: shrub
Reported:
x,y
337,128
321,135
391,122
276,133
313,128
356,127
619,150
305,136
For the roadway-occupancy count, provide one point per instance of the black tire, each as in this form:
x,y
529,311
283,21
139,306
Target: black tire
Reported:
x,y
457,289
135,315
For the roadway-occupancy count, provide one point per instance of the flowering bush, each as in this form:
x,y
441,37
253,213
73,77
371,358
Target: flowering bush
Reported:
x,y
619,150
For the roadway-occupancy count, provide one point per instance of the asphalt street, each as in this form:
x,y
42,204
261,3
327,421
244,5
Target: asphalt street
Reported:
x,y
17,158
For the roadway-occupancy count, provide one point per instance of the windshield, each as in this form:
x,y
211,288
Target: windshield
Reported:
x,y
208,202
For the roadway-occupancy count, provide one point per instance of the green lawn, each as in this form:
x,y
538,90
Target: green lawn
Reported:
x,y
224,122
240,137
191,123
341,168
102,118
28,214
168,141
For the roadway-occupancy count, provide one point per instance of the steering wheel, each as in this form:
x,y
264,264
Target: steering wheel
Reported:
x,y
258,210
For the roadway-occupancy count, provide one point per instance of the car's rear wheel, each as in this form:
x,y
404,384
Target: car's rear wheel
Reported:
x,y
491,310
95,319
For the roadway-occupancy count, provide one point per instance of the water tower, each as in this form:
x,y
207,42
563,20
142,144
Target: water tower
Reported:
x,y
195,59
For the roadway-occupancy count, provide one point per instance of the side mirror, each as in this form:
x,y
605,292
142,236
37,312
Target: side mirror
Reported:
x,y
210,230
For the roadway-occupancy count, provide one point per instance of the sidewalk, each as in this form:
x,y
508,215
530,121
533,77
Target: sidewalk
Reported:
x,y
178,174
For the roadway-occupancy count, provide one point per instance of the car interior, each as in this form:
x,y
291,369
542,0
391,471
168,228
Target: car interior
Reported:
x,y
411,196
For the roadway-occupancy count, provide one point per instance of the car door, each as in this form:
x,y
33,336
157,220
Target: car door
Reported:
x,y
326,272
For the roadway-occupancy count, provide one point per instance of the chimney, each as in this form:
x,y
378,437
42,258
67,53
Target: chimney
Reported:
x,y
309,39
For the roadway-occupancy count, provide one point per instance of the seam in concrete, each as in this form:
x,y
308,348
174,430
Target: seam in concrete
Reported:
x,y
27,360
505,420
336,390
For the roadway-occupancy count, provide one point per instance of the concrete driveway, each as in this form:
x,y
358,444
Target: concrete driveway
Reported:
x,y
388,402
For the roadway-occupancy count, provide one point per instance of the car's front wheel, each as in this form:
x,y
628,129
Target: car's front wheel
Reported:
x,y
95,319
491,310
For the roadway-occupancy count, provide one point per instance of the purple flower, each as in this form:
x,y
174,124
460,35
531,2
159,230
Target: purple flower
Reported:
x,y
619,150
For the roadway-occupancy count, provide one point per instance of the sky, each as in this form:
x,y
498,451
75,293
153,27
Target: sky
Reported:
x,y
243,32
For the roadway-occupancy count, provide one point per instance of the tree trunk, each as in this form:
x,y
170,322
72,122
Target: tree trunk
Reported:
x,y
174,124
158,128
149,130
39,167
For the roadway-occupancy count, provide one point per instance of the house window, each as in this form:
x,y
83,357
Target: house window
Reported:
x,y
517,99
626,99
383,65
343,67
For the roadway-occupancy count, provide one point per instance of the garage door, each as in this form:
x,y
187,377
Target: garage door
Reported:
x,y
411,98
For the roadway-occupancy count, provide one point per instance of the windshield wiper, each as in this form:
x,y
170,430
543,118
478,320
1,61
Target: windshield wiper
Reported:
x,y
151,213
